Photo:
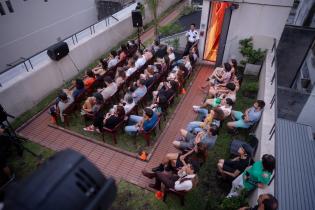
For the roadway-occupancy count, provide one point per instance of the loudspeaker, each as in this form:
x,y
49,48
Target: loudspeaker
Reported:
x,y
58,51
136,18
66,181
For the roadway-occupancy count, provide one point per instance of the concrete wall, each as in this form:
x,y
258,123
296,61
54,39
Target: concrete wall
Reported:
x,y
266,146
253,18
31,87
36,24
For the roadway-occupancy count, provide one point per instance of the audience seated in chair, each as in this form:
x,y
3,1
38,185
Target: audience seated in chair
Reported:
x,y
127,103
62,103
120,76
113,59
109,90
264,202
110,120
224,104
141,123
257,175
184,180
206,137
171,54
89,79
77,90
175,161
131,67
140,90
229,90
123,52
101,69
213,118
141,59
160,105
251,116
166,89
233,168
92,105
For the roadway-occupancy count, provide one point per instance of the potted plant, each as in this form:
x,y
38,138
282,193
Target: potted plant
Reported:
x,y
253,59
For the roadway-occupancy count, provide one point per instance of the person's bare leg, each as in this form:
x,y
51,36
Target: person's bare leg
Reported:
x,y
169,157
176,144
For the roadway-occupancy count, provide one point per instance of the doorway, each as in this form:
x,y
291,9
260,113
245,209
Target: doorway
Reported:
x,y
217,29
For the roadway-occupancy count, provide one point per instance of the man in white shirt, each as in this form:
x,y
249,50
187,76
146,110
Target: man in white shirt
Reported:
x,y
113,59
182,181
192,38
140,61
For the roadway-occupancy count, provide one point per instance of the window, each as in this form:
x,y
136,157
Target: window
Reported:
x,y
2,12
9,5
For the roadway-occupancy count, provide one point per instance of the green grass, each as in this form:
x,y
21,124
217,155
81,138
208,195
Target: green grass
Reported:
x,y
23,166
210,192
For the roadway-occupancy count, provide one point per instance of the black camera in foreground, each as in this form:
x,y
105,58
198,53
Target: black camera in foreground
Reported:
x,y
66,181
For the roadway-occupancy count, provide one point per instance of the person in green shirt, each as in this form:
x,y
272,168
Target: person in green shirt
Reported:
x,y
258,175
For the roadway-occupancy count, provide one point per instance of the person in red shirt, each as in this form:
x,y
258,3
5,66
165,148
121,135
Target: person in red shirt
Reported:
x,y
89,80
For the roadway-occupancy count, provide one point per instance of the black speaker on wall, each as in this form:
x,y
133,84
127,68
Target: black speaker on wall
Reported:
x,y
58,51
136,18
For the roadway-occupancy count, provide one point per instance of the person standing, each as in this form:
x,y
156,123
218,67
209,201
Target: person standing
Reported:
x,y
192,38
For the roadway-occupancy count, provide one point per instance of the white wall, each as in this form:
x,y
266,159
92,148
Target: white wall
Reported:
x,y
31,87
265,146
254,20
264,18
35,25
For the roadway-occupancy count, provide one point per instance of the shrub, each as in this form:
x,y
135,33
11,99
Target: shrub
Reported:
x,y
187,10
250,54
169,29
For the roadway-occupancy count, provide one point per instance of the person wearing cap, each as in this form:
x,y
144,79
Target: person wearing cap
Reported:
x,y
192,38
237,165
184,180
141,123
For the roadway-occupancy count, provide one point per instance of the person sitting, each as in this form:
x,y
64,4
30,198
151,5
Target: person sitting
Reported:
x,y
224,77
224,104
128,104
160,105
113,59
174,161
156,46
145,123
121,76
171,54
77,90
215,117
250,117
233,168
131,67
229,90
184,180
63,102
92,105
148,54
99,71
141,59
140,91
188,140
110,90
123,52
110,120
89,79
149,76
257,175
234,70
194,53
265,202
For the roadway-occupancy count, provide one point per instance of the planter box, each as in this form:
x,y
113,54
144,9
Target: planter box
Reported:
x,y
252,69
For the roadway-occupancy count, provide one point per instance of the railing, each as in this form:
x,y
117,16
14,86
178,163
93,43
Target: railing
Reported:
x,y
23,65
273,101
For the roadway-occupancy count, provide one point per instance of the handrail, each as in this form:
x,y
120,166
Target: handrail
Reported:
x,y
74,38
